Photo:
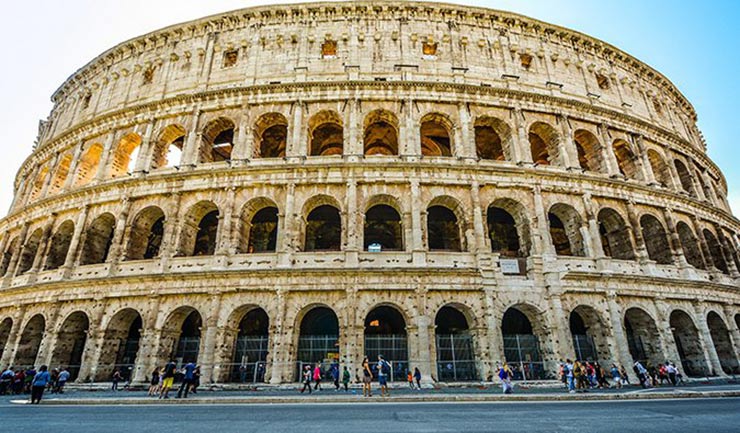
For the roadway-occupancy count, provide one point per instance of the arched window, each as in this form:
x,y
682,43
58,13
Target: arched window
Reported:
x,y
28,348
503,232
200,229
183,332
168,148
625,159
522,342
326,134
125,155
688,344
684,177
323,229
270,136
147,231
318,336
98,239
70,343
455,353
385,334
615,235
656,240
251,347
690,245
565,230
88,165
59,247
544,144
38,183
715,249
383,227
60,174
589,334
218,141
642,337
381,133
723,344
660,169
29,252
492,139
443,231
589,150
121,340
435,135
263,231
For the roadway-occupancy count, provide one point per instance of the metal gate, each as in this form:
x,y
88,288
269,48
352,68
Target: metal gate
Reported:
x,y
250,356
455,357
187,350
313,349
522,352
584,347
394,348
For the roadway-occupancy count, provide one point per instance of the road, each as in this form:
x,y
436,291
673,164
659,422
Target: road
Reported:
x,y
679,415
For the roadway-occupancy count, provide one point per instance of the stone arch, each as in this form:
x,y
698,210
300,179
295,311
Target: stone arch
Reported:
x,y
270,135
383,227
146,234
120,345
722,343
688,344
98,239
28,347
59,247
326,134
88,165
565,230
29,252
200,230
436,135
493,139
318,335
715,251
381,133
660,170
124,157
38,183
656,240
8,256
703,186
642,337
690,245
259,219
70,343
615,235
455,345
588,148
684,177
323,228
523,331
181,335
385,334
61,172
168,148
544,144
251,344
625,159
589,333
217,141
5,327
444,224
508,228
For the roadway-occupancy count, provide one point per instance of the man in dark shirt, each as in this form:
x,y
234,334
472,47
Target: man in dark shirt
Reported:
x,y
187,380
167,379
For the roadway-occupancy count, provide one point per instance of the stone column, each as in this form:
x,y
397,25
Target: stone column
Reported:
x,y
49,339
704,247
621,351
114,254
286,243
734,331
104,164
417,243
69,182
726,250
409,142
354,231
74,245
520,150
148,356
465,140
607,153
144,158
244,141
226,244
559,329
93,346
191,146
208,348
353,139
707,342
668,343
52,171
478,225
15,258
568,152
14,337
542,242
168,249
634,225
493,335
297,145
594,235
44,246
279,368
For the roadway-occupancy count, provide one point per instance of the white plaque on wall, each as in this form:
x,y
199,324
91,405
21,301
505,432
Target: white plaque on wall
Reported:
x,y
509,266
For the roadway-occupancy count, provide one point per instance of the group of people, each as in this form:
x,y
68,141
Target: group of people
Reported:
x,y
655,376
163,379
580,376
31,381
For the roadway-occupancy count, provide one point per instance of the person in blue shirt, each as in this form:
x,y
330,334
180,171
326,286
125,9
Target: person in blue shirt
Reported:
x,y
39,383
188,376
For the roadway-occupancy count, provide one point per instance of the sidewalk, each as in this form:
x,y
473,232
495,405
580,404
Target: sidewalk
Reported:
x,y
482,393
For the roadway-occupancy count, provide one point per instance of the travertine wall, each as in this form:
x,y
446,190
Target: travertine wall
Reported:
x,y
496,136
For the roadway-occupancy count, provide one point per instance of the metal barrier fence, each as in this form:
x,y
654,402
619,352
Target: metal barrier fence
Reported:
x,y
455,357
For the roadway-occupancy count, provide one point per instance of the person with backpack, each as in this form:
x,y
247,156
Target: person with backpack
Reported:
x,y
168,378
345,379
39,383
384,369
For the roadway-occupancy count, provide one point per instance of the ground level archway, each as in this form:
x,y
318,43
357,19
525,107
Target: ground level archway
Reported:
x,y
455,346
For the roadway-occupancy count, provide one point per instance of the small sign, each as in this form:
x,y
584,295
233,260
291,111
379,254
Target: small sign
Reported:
x,y
509,266
374,248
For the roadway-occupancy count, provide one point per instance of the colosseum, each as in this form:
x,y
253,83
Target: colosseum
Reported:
x,y
451,187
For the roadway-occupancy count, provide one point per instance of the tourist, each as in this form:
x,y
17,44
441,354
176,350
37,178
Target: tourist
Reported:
x,y
384,368
243,373
307,374
39,382
62,380
642,374
167,379
568,371
54,373
601,376
616,376
196,380
679,376
410,379
188,376
671,371
417,377
623,374
154,382
335,375
116,378
19,381
28,379
367,378
504,373
663,374
317,376
345,378
6,380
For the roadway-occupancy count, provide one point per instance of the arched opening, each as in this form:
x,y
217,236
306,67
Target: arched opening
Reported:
x,y
28,254
124,157
60,174
704,188
690,245
326,134
642,337
323,229
38,184
660,169
70,343
722,343
385,334
218,141
565,230
625,159
98,239
8,256
263,229
715,250
318,340
120,345
544,144
492,139
200,230
455,353
521,344
615,235
656,240
181,335
503,232
5,326
147,231
688,345
87,167
381,133
383,228
684,177
589,150
443,230
28,347
435,135
251,347
270,136
59,247
168,148
589,334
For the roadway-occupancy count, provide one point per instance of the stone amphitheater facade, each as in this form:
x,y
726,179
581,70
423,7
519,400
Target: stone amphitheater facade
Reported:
x,y
450,186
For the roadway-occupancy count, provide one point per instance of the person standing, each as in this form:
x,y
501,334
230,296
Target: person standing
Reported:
x,y
62,380
168,377
642,374
569,377
317,377
188,377
384,369
623,374
367,378
335,375
671,371
39,383
345,378
410,379
6,380
616,376
306,379
154,382
116,378
417,377
504,373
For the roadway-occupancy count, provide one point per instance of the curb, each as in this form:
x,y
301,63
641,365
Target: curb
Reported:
x,y
399,399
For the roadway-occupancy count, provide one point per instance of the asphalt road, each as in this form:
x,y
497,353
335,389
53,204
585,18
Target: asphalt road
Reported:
x,y
701,415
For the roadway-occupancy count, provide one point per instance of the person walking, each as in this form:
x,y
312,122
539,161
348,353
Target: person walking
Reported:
x,y
168,377
188,376
116,378
616,376
367,378
384,368
623,374
317,377
335,376
39,383
307,374
568,371
417,377
62,380
410,379
154,382
671,371
504,373
345,378
6,380
642,374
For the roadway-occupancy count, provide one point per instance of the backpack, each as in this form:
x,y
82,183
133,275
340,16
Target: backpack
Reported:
x,y
385,367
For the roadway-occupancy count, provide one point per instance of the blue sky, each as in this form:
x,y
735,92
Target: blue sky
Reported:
x,y
695,44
